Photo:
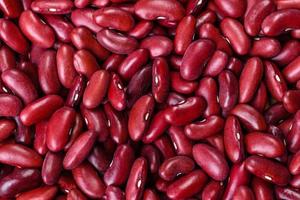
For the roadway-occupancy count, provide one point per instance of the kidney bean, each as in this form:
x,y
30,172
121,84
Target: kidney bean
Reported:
x,y
52,167
209,31
59,126
153,157
170,10
157,45
13,37
99,159
268,170
8,59
66,183
113,192
181,85
276,113
6,128
84,17
30,70
133,63
35,30
243,192
294,166
255,16
264,144
93,187
211,161
216,64
10,105
141,29
20,156
195,58
150,194
164,144
182,145
262,189
116,93
83,38
85,63
295,181
288,193
19,180
205,128
288,53
265,47
75,194
293,138
40,109
11,8
279,21
290,72
43,193
20,84
231,8
238,176
178,165
184,34
23,133
160,79
53,7
96,120
213,191
187,186
289,101
39,143
76,91
259,102
116,42
113,62
228,91
235,65
123,156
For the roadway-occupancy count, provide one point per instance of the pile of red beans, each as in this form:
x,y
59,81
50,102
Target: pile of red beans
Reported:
x,y
150,99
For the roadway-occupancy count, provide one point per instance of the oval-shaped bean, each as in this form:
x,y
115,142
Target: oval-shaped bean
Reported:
x,y
79,150
180,85
10,105
187,186
279,21
160,79
116,93
185,112
42,193
259,102
157,45
290,101
6,128
40,143
40,109
205,128
169,10
52,167
7,58
216,64
250,79
119,169
291,72
262,189
84,17
52,7
85,63
265,47
182,145
268,170
19,83
288,53
234,31
11,8
116,42
195,58
231,8
243,192
35,30
294,166
113,62
141,29
293,137
20,156
113,192
114,18
59,126
93,187
211,161
137,179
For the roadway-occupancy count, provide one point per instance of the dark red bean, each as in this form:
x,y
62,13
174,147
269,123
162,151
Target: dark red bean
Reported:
x,y
216,64
262,189
182,145
43,193
10,106
8,60
165,146
113,192
85,63
243,192
160,79
157,45
6,128
52,167
40,143
11,9
288,53
53,7
84,17
76,91
152,155
265,47
99,159
213,190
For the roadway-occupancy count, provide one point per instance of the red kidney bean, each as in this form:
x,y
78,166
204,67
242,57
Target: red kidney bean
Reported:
x,y
282,4
211,161
165,146
137,179
19,180
75,194
249,117
254,18
234,140
40,109
85,63
178,165
52,167
6,128
216,64
235,65
264,144
294,166
185,112
13,37
182,145
114,18
206,16
184,34
20,156
150,194
181,85
133,63
30,70
66,183
116,42
96,121
279,21
291,72
11,8
288,193
100,3
234,31
243,192
8,59
116,93
276,113
35,30
262,189
99,159
290,101
213,191
61,27
113,192
43,193
112,62
84,17
170,10
174,98
260,99
10,105
53,7
187,186
268,170
195,58
288,53
228,91
23,133
153,157
205,128
93,187
76,91
19,83
40,143
217,142
59,126
295,181
160,79
265,47
141,29
231,8
83,38
123,157
157,45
